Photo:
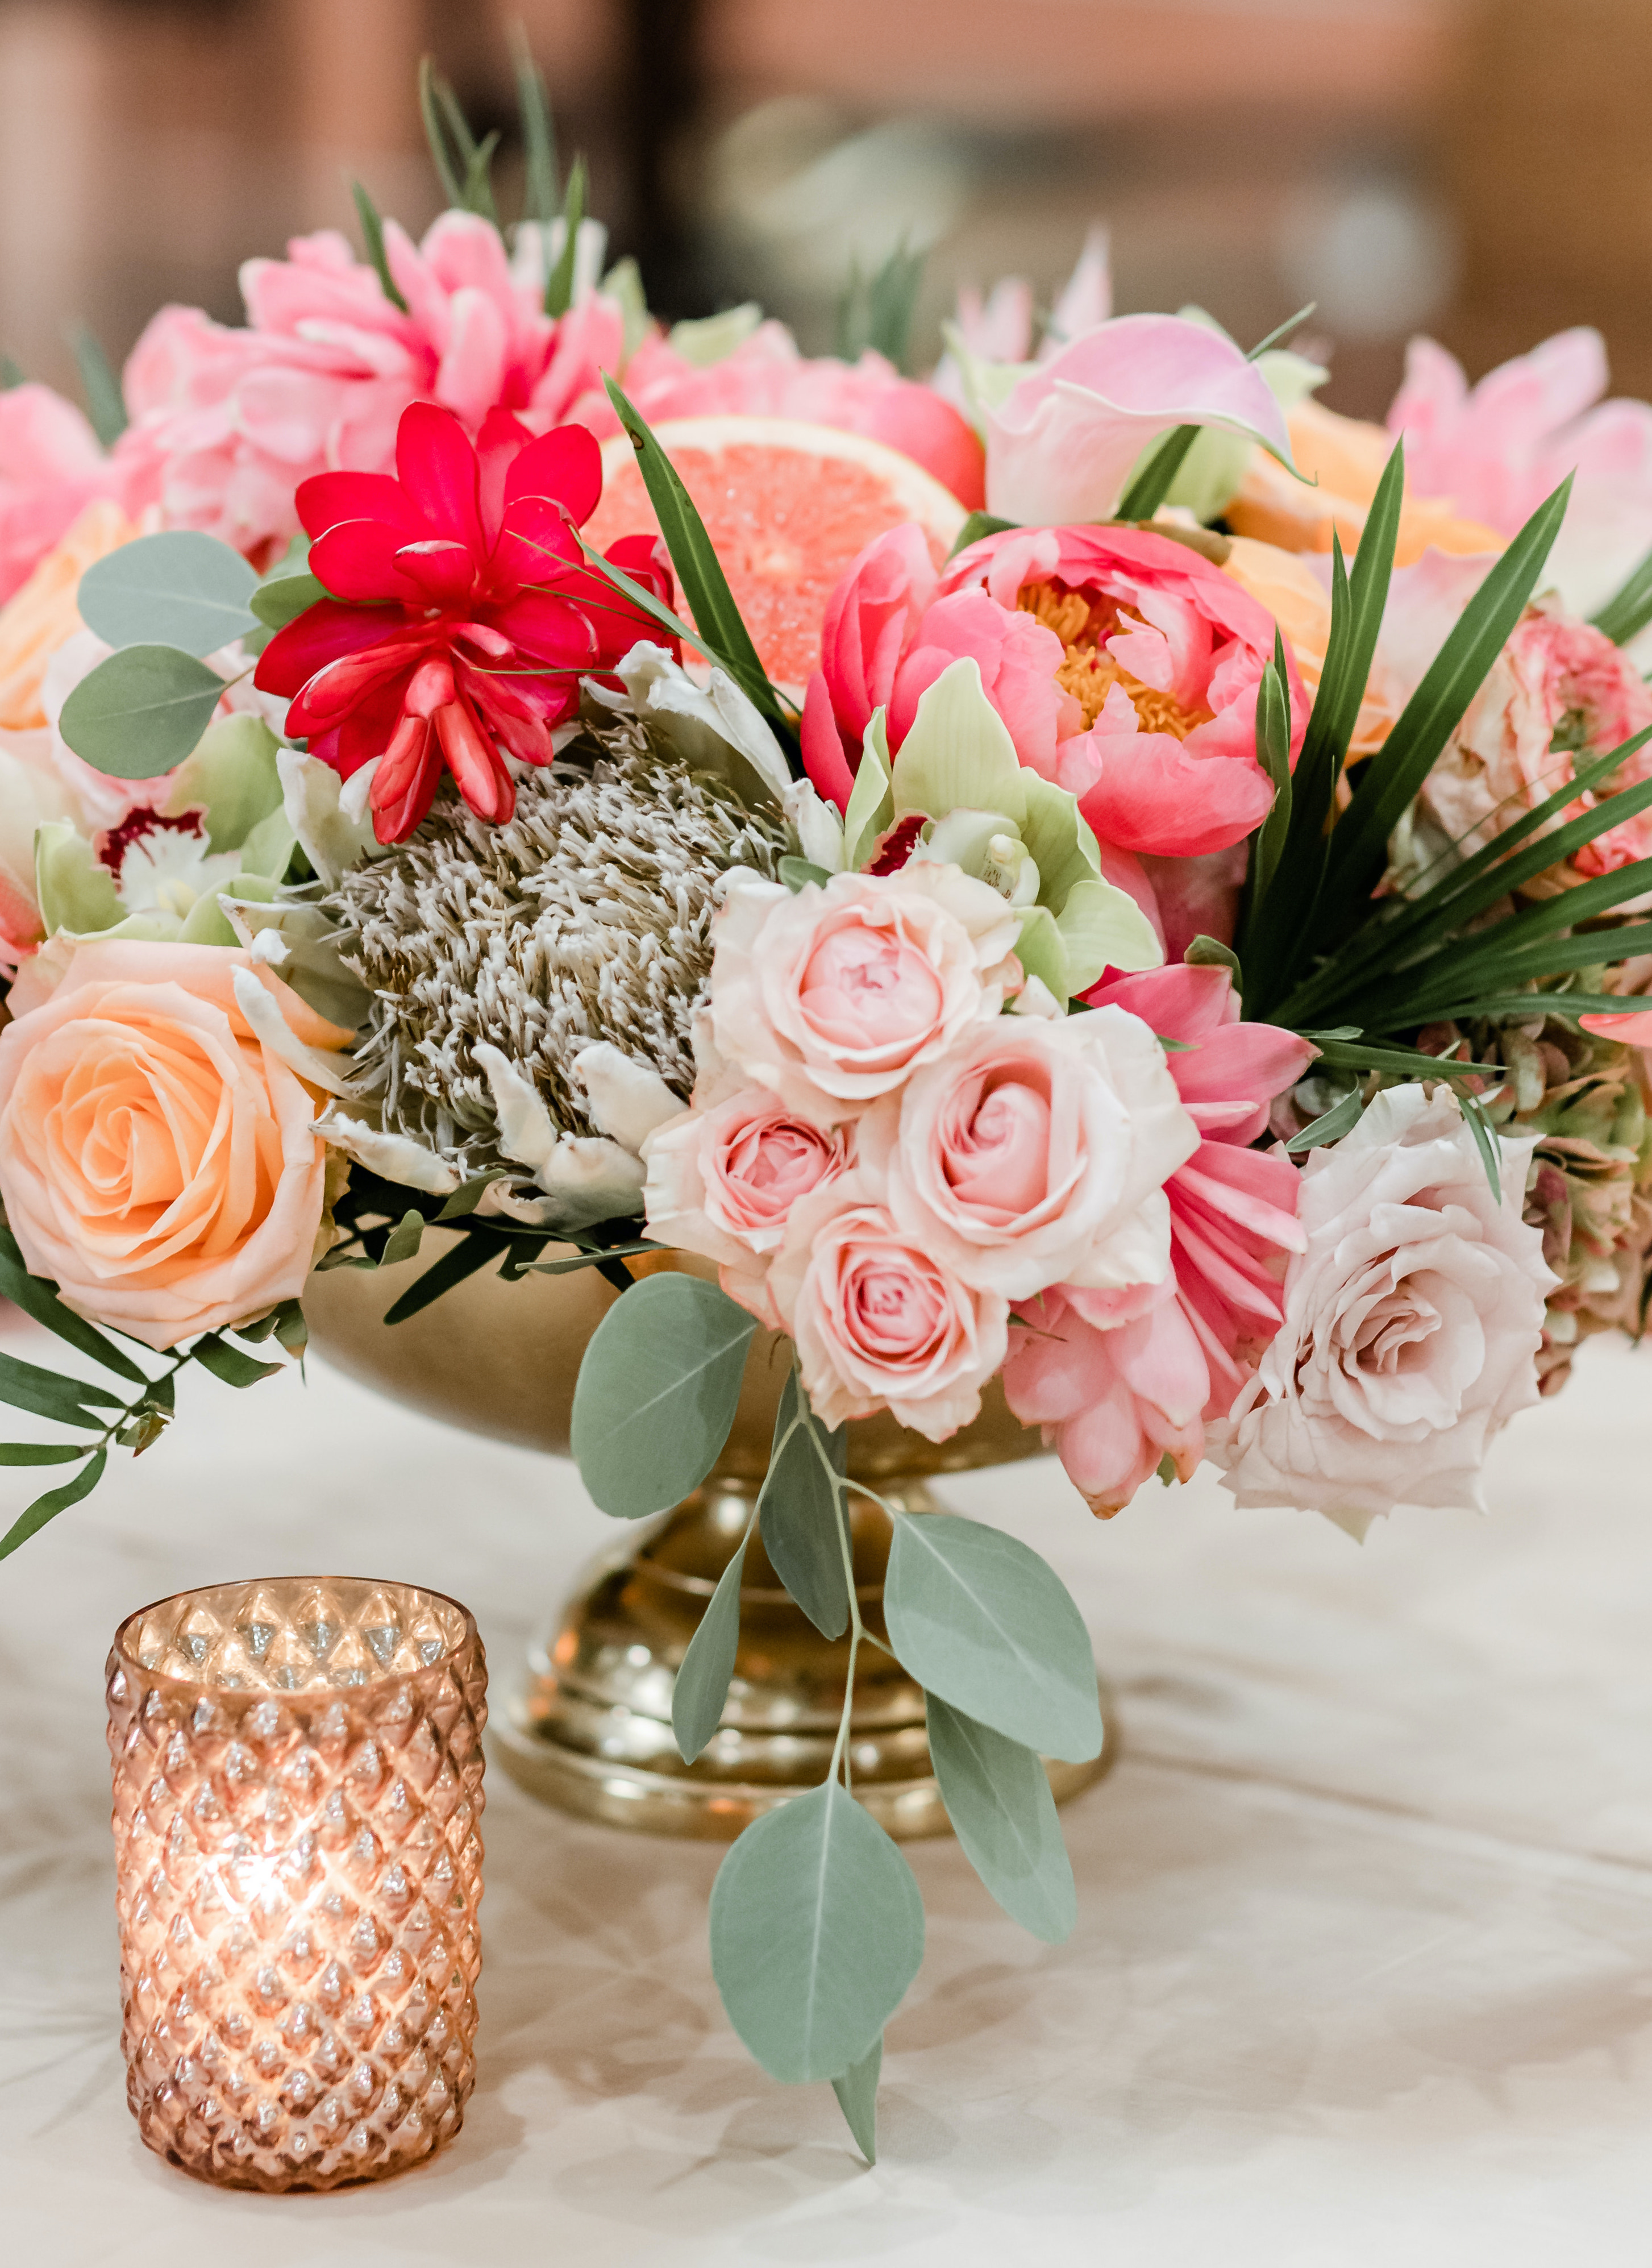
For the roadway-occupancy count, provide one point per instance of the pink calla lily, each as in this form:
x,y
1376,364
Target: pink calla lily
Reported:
x,y
1062,446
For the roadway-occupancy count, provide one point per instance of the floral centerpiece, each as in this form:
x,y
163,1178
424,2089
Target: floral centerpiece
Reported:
x,y
1140,957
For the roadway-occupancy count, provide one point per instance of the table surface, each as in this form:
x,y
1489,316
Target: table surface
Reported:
x,y
1360,1976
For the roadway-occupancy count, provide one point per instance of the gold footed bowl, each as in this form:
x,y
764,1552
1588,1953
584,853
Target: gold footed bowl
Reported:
x,y
590,1728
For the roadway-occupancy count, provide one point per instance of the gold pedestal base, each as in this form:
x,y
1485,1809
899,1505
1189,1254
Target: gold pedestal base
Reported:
x,y
591,1730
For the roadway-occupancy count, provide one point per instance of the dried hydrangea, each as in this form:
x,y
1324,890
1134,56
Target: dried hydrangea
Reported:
x,y
587,915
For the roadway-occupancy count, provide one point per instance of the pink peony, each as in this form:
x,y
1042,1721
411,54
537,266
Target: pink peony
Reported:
x,y
1119,1381
878,1323
1036,1152
51,467
1411,1318
767,377
835,996
227,423
1495,450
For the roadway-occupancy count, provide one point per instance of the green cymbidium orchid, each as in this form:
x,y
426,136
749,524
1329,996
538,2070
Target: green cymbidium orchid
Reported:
x,y
982,809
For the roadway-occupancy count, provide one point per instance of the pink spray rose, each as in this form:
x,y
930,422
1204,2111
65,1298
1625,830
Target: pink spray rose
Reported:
x,y
1035,1151
723,1181
1119,1381
51,467
878,1323
1411,1321
157,1159
831,998
226,422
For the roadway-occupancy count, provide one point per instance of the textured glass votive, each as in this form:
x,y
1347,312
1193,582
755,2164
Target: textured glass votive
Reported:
x,y
297,1773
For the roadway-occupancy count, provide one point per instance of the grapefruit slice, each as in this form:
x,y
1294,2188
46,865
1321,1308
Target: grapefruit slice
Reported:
x,y
786,505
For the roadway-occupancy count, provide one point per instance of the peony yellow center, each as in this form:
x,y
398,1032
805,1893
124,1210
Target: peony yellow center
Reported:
x,y
1088,671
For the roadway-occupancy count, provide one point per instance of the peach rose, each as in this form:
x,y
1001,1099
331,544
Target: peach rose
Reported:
x,y
1037,1152
45,614
1341,460
833,996
1299,600
723,1181
878,1323
157,1159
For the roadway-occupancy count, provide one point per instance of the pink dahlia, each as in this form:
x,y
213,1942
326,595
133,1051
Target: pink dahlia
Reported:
x,y
227,421
463,617
1121,1379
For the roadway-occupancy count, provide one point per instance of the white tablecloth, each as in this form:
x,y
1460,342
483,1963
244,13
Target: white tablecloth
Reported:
x,y
1360,1977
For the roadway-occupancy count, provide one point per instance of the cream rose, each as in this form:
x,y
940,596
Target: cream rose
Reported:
x,y
1411,1328
723,1181
156,1161
1036,1153
832,997
878,1323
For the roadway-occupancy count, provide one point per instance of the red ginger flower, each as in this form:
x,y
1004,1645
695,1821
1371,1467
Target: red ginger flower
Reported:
x,y
463,615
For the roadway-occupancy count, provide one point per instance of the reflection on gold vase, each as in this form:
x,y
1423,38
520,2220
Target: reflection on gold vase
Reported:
x,y
591,1729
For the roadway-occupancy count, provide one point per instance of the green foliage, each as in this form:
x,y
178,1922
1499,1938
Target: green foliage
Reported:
x,y
559,284
1273,752
975,528
106,406
539,134
795,873
701,1688
228,1363
463,1257
1331,1125
176,589
656,1392
142,712
38,1297
801,1511
876,311
46,1394
373,238
461,162
857,2092
979,1618
54,1500
1629,609
817,1930
1151,484
719,631
998,1799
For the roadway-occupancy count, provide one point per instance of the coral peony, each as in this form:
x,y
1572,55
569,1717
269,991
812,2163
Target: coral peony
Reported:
x,y
464,615
1161,654
1121,1382
1411,1321
226,422
157,1159
51,467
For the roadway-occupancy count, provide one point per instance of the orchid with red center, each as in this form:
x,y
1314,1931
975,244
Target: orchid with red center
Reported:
x,y
462,614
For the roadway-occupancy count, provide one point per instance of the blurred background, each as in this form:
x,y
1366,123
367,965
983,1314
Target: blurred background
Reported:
x,y
1477,168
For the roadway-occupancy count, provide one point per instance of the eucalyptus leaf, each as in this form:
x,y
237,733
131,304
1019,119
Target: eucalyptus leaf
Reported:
x,y
701,1690
801,1512
142,712
977,1617
179,588
284,598
55,1500
817,1930
657,1393
403,1242
857,2092
997,1796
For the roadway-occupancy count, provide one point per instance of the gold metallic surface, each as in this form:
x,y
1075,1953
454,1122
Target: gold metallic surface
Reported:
x,y
590,1730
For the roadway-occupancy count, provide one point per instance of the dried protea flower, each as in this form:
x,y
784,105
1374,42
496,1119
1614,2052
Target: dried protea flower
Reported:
x,y
1591,1188
587,915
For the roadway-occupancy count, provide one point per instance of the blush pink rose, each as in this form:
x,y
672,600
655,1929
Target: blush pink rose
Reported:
x,y
156,1161
878,1323
1036,1153
723,1181
833,996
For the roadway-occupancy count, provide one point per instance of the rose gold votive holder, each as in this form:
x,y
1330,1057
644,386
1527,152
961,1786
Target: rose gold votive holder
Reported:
x,y
297,1774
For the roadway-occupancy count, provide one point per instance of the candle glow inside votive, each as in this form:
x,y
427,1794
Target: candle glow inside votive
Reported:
x,y
298,1771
